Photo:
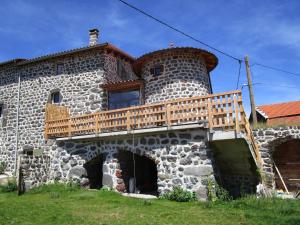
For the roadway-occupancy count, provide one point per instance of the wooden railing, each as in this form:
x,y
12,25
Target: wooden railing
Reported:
x,y
250,137
215,111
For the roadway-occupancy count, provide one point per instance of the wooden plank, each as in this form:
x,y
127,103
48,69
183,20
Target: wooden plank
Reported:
x,y
128,122
237,122
209,112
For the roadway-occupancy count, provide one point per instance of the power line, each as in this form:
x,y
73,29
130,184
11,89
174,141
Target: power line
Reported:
x,y
276,69
203,43
273,85
178,31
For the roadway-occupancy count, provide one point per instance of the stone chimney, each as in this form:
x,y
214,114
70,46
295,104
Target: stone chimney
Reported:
x,y
94,34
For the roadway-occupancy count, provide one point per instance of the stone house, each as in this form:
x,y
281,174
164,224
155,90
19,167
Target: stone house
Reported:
x,y
104,118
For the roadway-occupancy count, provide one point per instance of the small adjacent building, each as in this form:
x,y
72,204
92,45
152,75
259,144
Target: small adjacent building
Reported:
x,y
279,138
285,113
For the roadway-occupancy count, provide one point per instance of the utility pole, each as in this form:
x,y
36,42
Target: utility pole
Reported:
x,y
253,111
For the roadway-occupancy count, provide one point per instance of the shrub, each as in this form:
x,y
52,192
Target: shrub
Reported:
x,y
9,187
180,195
2,167
222,194
216,192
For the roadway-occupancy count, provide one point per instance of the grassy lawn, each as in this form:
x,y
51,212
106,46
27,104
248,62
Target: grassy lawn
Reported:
x,y
61,205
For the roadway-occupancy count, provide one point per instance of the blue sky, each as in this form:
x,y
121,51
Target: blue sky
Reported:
x,y
268,31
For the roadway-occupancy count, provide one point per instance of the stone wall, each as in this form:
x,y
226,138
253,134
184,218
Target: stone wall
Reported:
x,y
35,170
79,85
182,158
184,75
269,139
8,98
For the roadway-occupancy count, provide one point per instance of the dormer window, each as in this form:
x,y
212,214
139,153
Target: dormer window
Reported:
x,y
59,69
55,97
157,70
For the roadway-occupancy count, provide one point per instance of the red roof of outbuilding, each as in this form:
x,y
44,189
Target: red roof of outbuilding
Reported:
x,y
280,109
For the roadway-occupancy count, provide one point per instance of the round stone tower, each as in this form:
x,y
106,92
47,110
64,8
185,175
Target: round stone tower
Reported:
x,y
175,73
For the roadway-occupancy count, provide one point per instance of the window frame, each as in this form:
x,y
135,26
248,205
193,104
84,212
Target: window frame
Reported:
x,y
123,91
154,70
52,97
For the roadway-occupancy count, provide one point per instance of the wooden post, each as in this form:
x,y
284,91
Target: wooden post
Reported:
x,y
250,86
128,122
46,130
97,128
168,114
236,110
277,170
209,111
70,127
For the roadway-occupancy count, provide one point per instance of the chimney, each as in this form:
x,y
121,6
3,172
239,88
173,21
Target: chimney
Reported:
x,y
94,34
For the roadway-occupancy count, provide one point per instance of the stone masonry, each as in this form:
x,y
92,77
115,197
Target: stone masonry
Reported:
x,y
79,85
269,139
182,157
35,170
184,75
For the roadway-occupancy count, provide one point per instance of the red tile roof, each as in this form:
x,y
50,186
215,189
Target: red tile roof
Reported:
x,y
280,109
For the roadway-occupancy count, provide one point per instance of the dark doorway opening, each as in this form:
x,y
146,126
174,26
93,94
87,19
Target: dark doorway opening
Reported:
x,y
287,159
145,172
94,172
235,168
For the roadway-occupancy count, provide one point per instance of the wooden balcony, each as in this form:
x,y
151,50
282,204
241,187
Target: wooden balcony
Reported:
x,y
223,110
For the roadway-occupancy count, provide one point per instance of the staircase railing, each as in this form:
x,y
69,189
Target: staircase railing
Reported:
x,y
250,137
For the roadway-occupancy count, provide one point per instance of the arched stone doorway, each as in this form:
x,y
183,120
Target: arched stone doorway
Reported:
x,y
286,157
94,171
143,168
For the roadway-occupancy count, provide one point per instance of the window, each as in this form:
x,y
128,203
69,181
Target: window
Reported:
x,y
157,70
1,110
59,69
123,99
55,97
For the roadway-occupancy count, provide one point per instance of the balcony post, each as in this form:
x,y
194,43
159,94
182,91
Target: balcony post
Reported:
x,y
97,128
69,126
209,111
236,109
46,130
168,114
128,122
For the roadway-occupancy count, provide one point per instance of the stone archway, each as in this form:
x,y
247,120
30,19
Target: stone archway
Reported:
x,y
286,157
270,139
94,171
145,172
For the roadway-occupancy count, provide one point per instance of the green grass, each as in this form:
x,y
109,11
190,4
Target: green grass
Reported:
x,y
57,204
